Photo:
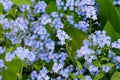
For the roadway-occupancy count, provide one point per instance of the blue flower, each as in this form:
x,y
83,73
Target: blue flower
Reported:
x,y
62,36
57,67
54,14
86,8
2,50
24,54
0,77
5,23
88,77
60,4
42,75
45,19
116,2
1,63
84,51
69,4
100,39
57,24
33,75
116,59
21,23
106,68
70,19
24,7
111,53
65,72
7,4
93,69
116,44
9,57
82,25
40,7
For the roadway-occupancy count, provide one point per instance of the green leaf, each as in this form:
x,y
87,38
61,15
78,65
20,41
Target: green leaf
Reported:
x,y
25,76
79,64
13,11
99,76
110,64
49,1
21,2
116,76
118,8
38,65
1,8
51,7
104,59
12,48
72,75
51,31
80,76
97,63
12,70
108,11
77,39
1,33
49,66
111,32
19,75
25,14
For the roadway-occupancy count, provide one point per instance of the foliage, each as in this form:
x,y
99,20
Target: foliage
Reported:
x,y
59,39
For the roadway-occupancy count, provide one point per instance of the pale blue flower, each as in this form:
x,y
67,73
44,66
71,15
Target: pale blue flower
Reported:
x,y
82,25
100,39
0,77
24,7
116,59
116,2
116,44
62,36
9,57
45,19
2,49
86,8
7,4
57,67
93,69
69,5
70,19
54,14
84,51
88,77
40,7
33,75
57,24
111,53
60,4
2,63
21,23
106,68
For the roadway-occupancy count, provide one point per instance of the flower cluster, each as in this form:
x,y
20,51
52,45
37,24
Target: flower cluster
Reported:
x,y
85,8
41,75
116,44
2,65
7,4
98,56
17,28
40,7
36,34
82,7
116,2
62,36
22,54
